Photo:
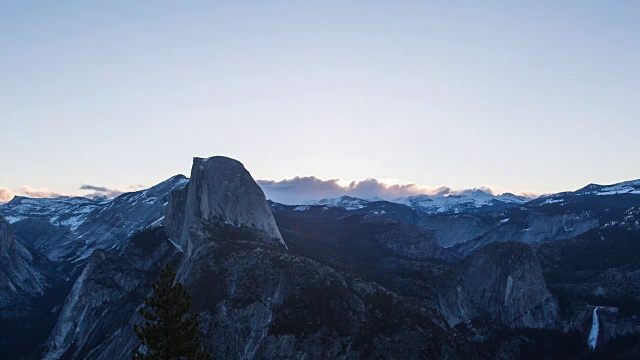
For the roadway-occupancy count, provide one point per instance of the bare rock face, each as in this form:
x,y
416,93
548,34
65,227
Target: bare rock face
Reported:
x,y
501,282
407,241
7,241
453,229
96,321
220,191
27,295
535,228
24,274
614,325
12,291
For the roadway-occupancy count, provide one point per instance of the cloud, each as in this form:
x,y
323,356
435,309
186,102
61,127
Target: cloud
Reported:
x,y
94,188
6,195
38,193
108,192
300,190
28,191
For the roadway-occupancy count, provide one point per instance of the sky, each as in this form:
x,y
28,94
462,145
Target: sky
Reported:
x,y
526,96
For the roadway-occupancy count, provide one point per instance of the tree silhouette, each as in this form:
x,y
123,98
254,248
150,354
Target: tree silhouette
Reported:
x,y
170,331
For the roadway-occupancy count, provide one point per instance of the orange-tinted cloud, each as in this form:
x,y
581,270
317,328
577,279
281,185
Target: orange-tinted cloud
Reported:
x,y
6,194
29,191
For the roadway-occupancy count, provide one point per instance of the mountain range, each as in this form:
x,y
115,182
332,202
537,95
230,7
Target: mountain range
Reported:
x,y
470,275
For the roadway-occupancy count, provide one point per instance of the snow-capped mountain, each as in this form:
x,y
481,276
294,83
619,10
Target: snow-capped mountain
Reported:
x,y
512,198
61,211
477,201
467,201
69,229
626,188
345,202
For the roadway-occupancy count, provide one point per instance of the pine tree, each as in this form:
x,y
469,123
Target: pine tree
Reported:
x,y
170,331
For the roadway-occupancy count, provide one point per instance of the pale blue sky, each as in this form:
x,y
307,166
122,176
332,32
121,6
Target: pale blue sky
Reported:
x,y
539,96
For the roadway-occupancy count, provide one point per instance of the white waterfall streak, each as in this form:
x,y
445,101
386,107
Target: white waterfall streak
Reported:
x,y
595,326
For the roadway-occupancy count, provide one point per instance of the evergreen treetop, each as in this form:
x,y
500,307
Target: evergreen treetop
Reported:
x,y
170,331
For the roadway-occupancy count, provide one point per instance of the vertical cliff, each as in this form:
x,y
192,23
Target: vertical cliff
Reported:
x,y
7,240
24,274
502,282
28,295
220,192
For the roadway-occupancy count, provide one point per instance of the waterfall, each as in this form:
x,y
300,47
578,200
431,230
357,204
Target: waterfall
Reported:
x,y
595,327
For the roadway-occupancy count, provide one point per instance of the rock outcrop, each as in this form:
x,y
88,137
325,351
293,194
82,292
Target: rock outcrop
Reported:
x,y
220,192
500,282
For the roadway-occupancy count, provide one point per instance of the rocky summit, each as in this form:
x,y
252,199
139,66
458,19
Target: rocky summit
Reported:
x,y
221,192
343,279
